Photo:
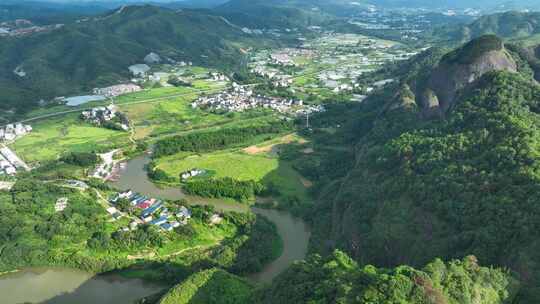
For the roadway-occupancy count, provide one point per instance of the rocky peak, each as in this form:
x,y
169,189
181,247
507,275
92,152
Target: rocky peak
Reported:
x,y
459,69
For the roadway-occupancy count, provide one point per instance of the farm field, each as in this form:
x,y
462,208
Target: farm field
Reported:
x,y
259,163
53,137
166,116
233,164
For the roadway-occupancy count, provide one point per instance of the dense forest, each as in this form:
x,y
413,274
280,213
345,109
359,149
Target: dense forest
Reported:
x,y
421,189
338,279
206,141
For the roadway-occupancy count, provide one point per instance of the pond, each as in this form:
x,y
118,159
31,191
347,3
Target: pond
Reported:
x,y
79,100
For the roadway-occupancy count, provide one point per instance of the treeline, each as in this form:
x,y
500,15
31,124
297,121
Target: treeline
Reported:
x,y
83,159
219,139
224,188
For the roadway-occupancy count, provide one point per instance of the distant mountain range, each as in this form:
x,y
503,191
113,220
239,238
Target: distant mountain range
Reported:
x,y
513,26
383,3
482,4
97,52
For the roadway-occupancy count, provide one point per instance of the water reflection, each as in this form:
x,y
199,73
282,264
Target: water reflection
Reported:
x,y
68,286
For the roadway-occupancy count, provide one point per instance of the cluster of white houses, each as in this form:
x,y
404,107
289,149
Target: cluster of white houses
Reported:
x,y
152,212
99,115
192,173
13,131
285,57
239,99
10,162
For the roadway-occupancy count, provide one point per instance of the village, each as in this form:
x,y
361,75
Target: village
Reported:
x,y
9,161
24,27
333,63
152,211
241,98
108,116
11,132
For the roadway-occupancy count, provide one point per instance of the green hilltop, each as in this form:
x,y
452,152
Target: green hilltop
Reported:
x,y
338,279
212,286
513,26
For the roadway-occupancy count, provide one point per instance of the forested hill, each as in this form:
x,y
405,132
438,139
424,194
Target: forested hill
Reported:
x,y
338,279
426,188
513,25
81,56
273,13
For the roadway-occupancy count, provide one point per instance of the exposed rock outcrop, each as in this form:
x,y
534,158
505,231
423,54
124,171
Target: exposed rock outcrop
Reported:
x,y
459,69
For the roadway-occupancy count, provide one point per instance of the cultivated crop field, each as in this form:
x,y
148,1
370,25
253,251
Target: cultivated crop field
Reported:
x,y
53,137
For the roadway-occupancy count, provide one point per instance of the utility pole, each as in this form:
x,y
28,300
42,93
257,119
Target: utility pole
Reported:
x,y
307,120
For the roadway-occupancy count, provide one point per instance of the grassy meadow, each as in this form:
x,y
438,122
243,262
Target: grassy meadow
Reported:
x,y
258,163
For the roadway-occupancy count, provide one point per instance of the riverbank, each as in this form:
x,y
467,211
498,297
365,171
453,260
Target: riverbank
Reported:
x,y
293,231
223,253
65,286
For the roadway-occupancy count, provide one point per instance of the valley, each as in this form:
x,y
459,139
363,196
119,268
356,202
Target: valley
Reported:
x,y
281,152
166,108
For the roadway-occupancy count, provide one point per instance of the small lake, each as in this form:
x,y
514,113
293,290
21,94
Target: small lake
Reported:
x,y
79,100
68,286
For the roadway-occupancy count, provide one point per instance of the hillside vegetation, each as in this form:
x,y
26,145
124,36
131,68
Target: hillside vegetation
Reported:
x,y
271,14
513,25
421,189
338,279
213,286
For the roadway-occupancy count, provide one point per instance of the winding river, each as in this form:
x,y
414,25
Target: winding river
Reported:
x,y
63,286
294,232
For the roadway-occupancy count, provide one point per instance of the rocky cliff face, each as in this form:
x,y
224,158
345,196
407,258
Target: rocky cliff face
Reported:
x,y
429,93
461,68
